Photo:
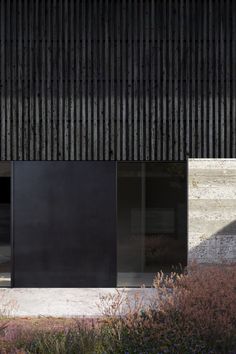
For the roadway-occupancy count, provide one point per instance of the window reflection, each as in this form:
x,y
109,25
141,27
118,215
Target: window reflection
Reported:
x,y
152,220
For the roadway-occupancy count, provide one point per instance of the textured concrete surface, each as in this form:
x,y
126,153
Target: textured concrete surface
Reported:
x,y
29,302
212,210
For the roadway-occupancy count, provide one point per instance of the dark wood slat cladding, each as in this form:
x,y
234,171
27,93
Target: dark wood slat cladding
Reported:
x,y
117,79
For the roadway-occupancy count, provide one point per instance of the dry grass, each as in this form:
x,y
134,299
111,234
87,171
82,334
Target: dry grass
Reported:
x,y
193,312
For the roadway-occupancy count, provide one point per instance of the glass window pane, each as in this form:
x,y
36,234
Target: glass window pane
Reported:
x,y
131,222
152,220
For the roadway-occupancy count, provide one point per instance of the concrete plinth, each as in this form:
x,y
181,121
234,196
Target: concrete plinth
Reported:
x,y
31,302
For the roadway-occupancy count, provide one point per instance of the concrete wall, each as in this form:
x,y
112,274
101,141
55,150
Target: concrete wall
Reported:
x,y
212,210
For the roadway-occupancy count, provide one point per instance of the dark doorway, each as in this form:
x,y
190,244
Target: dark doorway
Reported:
x,y
152,220
5,223
64,224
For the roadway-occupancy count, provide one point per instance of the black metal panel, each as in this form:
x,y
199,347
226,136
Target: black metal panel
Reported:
x,y
64,224
117,79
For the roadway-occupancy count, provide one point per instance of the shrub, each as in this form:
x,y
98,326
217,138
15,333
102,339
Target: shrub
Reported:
x,y
189,313
194,312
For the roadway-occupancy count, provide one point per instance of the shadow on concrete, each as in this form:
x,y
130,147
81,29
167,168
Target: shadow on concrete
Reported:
x,y
220,247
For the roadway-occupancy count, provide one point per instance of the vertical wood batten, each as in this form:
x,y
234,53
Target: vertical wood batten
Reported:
x,y
158,82
181,96
134,129
129,64
106,71
169,83
176,83
89,82
222,80
125,80
118,92
77,81
232,130
48,79
37,93
31,82
152,82
205,80
93,79
72,65
54,68
233,78
192,51
141,88
112,65
14,81
217,92
65,80
199,80
123,77
60,82
164,80
146,81
3,80
99,81
187,112
8,83
228,70
43,83
210,37
25,134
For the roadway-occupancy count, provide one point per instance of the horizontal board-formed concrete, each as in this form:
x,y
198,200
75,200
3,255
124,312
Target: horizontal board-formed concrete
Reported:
x,y
212,210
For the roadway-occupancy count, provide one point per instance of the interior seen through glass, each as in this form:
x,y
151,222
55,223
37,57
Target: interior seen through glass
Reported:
x,y
5,222
152,220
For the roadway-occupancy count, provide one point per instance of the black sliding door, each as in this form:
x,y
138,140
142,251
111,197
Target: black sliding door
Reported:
x,y
64,224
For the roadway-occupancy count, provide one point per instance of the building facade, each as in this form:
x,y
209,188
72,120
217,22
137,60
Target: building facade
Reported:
x,y
118,139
